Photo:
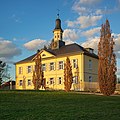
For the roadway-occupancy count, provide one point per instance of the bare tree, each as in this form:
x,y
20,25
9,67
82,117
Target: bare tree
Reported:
x,y
38,77
68,77
107,61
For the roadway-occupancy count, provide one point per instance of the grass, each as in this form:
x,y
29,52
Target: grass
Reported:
x,y
57,105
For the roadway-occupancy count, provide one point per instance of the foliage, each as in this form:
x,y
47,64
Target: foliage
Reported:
x,y
2,66
57,105
107,61
68,77
38,77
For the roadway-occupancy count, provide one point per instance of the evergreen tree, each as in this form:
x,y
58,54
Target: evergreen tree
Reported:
x,y
107,61
68,77
38,73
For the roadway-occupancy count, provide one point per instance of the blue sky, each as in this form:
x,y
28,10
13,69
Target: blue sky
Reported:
x,y
27,25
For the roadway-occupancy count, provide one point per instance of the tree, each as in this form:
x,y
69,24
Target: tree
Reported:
x,y
38,77
2,69
68,77
107,61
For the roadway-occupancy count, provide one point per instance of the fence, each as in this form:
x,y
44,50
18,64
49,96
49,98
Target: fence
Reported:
x,y
90,86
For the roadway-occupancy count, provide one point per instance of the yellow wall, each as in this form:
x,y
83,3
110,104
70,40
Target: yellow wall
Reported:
x,y
82,72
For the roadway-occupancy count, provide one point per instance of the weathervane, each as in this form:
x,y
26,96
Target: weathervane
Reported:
x,y
58,13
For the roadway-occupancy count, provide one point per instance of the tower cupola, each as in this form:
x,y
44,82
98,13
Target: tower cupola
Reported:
x,y
58,32
58,24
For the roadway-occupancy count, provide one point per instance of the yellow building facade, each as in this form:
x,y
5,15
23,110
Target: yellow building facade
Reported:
x,y
84,65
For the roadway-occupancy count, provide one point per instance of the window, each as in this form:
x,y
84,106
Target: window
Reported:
x,y
51,81
43,67
61,65
43,55
75,63
90,78
29,69
90,64
59,80
29,82
20,70
20,83
52,66
75,79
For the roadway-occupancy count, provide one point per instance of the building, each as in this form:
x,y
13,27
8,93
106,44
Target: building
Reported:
x,y
10,85
83,60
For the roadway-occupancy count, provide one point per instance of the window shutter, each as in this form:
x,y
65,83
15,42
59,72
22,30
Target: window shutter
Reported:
x,y
54,65
31,69
63,65
77,63
26,69
57,65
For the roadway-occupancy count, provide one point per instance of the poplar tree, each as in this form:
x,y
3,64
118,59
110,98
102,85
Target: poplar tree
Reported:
x,y
107,61
38,73
68,77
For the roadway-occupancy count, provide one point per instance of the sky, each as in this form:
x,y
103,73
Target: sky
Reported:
x,y
27,25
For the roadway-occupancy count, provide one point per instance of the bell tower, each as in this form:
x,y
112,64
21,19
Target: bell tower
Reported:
x,y
58,35
58,32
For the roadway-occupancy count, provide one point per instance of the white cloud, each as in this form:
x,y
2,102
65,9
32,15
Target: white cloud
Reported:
x,y
70,35
84,21
90,33
93,43
8,50
35,44
85,7
89,2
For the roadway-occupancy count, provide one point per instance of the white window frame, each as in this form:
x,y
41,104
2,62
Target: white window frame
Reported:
x,y
90,64
75,80
52,66
20,70
29,69
20,82
59,80
61,65
29,82
75,63
44,67
51,81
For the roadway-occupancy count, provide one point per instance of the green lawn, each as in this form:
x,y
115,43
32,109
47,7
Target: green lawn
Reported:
x,y
51,105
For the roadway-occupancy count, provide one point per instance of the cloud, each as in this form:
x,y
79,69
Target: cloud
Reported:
x,y
90,33
85,7
93,43
89,2
8,49
35,44
84,21
70,35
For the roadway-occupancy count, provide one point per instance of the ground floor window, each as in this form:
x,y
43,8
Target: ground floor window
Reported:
x,y
59,80
29,82
75,79
51,81
20,83
90,78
